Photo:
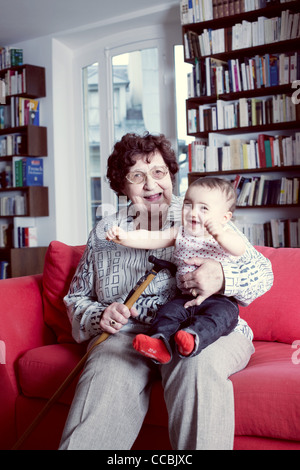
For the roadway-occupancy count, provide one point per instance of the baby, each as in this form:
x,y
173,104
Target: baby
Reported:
x,y
187,322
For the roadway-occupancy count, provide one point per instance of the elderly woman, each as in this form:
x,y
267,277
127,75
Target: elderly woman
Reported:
x,y
112,395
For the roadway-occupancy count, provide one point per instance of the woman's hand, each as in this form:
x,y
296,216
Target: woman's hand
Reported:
x,y
115,317
206,280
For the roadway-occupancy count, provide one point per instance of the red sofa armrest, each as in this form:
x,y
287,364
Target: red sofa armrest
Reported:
x,y
21,316
21,328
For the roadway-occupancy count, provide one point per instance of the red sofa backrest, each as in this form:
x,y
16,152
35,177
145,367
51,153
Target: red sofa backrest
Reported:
x,y
273,317
60,265
276,315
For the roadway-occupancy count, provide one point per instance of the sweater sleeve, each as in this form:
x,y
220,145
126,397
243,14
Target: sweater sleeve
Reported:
x,y
84,310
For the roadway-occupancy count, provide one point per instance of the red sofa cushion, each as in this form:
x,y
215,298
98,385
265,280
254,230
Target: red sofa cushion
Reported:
x,y
267,393
276,315
60,264
42,370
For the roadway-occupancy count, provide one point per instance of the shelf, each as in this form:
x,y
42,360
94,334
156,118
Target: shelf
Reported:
x,y
257,92
225,22
273,48
281,169
37,201
274,206
27,261
35,80
34,141
279,126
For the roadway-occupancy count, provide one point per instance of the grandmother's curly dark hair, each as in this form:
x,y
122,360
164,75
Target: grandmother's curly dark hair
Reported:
x,y
126,151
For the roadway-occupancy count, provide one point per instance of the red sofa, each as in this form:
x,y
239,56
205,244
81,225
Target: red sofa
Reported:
x,y
40,352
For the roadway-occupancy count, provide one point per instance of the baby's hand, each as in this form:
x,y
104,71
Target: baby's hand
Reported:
x,y
197,301
115,234
214,228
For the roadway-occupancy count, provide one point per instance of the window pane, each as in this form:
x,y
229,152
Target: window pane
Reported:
x,y
136,92
92,140
181,71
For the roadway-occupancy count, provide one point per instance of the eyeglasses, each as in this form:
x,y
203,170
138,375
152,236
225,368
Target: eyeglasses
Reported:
x,y
138,176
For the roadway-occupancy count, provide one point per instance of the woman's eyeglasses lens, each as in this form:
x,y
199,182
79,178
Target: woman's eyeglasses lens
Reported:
x,y
137,177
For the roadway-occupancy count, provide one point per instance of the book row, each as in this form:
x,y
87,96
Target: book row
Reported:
x,y
265,152
213,77
20,112
10,57
13,83
276,233
264,191
242,113
11,144
27,237
5,235
24,236
23,171
242,35
196,11
12,205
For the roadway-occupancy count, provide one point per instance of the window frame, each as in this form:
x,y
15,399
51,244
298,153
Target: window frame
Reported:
x,y
162,37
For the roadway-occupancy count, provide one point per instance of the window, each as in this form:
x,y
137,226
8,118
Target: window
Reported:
x,y
92,140
136,92
181,71
137,105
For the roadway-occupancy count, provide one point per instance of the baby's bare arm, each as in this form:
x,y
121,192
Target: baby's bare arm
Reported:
x,y
229,240
142,239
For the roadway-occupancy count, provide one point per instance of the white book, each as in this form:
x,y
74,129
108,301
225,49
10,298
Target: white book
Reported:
x,y
255,33
208,10
244,115
208,82
261,30
297,146
293,67
220,114
295,27
184,11
261,184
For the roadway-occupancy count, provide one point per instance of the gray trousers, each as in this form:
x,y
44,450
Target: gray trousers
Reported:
x,y
112,396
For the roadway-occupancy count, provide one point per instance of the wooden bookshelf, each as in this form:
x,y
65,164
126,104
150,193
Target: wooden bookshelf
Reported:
x,y
201,97
25,261
23,82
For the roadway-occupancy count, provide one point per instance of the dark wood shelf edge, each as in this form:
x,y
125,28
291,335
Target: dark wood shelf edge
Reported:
x,y
230,20
278,126
19,129
277,169
256,93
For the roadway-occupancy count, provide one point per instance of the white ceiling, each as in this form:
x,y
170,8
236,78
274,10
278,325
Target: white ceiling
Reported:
x,y
21,20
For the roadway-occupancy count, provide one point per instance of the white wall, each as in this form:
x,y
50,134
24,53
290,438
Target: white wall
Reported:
x,y
39,52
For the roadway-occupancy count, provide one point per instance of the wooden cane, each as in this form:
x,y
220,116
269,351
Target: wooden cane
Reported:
x,y
129,302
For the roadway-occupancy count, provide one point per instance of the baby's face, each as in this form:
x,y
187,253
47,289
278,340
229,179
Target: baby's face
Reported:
x,y
201,204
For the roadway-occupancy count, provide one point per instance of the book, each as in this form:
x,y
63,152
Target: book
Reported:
x,y
4,269
19,224
32,171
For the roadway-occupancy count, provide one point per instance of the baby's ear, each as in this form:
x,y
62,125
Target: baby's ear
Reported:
x,y
227,216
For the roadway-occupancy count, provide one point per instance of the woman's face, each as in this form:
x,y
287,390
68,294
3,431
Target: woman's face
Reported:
x,y
151,192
